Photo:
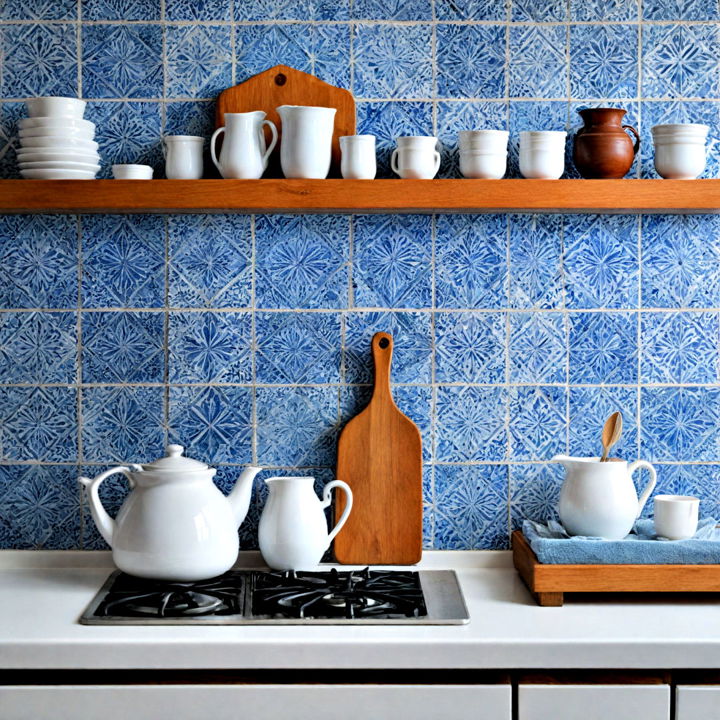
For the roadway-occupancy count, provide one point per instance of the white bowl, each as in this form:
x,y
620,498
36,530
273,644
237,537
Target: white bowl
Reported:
x,y
58,143
58,165
66,132
24,156
56,123
132,172
55,107
57,174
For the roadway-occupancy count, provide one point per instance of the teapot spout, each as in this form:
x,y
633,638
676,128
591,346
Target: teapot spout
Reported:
x,y
239,497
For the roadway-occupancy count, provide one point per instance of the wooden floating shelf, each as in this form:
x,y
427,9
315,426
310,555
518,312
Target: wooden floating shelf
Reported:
x,y
359,196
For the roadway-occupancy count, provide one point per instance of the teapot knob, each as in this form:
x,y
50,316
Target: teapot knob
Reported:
x,y
175,450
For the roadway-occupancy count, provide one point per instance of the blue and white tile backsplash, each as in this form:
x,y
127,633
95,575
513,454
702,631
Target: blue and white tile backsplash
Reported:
x,y
246,338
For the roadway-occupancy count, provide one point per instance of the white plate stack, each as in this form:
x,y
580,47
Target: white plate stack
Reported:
x,y
55,142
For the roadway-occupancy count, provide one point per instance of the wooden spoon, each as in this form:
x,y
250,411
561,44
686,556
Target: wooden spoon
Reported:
x,y
610,434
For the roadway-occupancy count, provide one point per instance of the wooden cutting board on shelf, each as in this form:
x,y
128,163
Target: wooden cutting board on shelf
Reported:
x,y
380,458
283,85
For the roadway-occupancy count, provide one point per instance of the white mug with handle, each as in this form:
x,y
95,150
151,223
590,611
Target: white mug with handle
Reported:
x,y
416,157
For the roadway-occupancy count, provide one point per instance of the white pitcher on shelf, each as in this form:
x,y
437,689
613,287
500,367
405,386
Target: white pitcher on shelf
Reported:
x,y
244,155
306,147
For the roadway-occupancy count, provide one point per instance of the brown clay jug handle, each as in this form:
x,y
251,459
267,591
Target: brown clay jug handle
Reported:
x,y
637,137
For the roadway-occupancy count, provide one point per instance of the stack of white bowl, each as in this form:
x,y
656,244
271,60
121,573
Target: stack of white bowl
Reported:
x,y
55,142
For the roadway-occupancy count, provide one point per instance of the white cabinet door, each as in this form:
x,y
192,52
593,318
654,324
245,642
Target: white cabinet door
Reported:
x,y
256,702
697,702
594,702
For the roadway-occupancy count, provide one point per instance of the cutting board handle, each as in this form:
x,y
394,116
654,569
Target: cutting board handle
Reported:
x,y
382,350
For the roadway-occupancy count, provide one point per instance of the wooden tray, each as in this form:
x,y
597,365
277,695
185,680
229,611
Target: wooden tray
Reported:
x,y
283,85
547,582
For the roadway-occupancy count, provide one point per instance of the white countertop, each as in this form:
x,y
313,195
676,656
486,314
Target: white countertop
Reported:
x,y
42,595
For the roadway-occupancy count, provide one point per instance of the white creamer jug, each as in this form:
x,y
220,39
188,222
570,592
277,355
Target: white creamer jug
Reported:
x,y
243,155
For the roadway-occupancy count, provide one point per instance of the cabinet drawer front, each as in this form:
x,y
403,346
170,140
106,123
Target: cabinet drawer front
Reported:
x,y
697,702
259,702
594,702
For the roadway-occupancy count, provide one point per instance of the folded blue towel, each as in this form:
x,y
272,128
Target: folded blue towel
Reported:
x,y
642,546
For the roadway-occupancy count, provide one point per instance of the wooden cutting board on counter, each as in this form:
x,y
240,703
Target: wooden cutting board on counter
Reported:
x,y
283,85
380,458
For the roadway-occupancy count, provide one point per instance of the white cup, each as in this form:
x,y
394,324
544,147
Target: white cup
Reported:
x,y
676,516
542,154
183,157
132,172
483,153
416,157
358,157
680,150
55,107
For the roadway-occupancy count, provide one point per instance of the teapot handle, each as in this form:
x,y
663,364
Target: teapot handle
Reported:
x,y
105,524
214,137
649,487
348,505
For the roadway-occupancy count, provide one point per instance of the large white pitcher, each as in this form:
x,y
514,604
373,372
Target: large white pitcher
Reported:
x,y
306,147
243,155
598,498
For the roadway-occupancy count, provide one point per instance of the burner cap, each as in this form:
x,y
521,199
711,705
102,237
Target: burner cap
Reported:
x,y
176,604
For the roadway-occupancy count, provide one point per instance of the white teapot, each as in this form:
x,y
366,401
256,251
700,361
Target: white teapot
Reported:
x,y
175,524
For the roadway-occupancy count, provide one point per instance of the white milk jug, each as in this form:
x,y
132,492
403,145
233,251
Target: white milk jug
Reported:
x,y
243,155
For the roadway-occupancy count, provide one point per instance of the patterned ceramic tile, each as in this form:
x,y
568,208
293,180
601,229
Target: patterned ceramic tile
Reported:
x,y
428,527
470,60
532,115
537,422
199,60
603,60
534,492
680,10
392,61
210,347
193,118
297,426
203,10
390,120
412,349
391,262
680,423
391,10
471,261
301,261
213,423
38,261
536,261
680,61
39,507
471,10
39,10
471,511
38,423
39,60
122,424
702,481
603,348
602,10
470,424
330,50
538,343
123,261
537,61
454,116
10,113
121,9
127,132
297,348
590,407
122,61
539,10
601,261
216,274
470,347
37,347
681,261
680,347
123,347
265,10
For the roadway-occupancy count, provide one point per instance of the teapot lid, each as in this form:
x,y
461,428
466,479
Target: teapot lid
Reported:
x,y
175,462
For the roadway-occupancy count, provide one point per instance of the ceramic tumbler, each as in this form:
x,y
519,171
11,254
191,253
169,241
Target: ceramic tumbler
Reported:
x,y
676,516
680,150
183,157
483,153
542,154
416,157
358,157
306,144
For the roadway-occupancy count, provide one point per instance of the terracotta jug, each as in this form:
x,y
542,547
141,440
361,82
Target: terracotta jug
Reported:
x,y
602,148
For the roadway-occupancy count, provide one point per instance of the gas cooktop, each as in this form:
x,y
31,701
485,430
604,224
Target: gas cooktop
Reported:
x,y
246,597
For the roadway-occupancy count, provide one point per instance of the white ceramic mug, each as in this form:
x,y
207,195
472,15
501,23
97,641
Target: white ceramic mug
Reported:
x,y
306,144
676,516
680,150
542,154
416,157
483,153
183,157
358,157
132,172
